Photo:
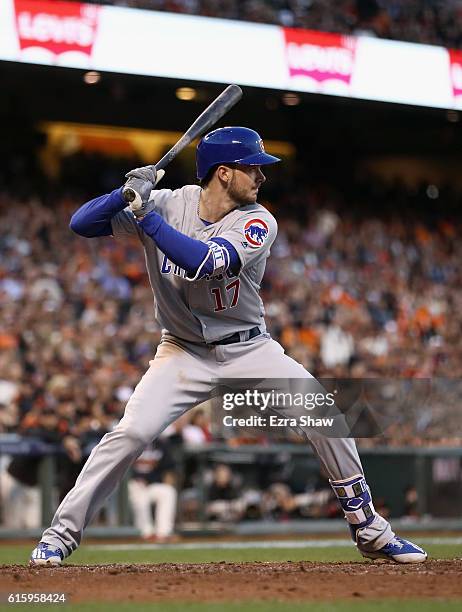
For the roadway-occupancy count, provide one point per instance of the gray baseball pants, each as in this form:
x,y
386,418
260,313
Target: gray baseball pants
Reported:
x,y
178,379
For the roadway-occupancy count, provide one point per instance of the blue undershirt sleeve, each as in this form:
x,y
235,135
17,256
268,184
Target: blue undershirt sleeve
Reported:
x,y
183,251
194,256
93,219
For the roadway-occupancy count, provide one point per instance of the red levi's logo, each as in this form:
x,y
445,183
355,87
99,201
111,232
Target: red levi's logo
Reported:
x,y
56,27
320,59
455,58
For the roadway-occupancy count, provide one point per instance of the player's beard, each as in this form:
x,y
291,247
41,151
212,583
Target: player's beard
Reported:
x,y
239,194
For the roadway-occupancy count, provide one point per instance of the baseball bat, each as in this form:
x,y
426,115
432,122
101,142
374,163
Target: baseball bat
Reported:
x,y
215,111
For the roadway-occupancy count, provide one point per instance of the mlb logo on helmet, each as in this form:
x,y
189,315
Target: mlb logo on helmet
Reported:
x,y
256,232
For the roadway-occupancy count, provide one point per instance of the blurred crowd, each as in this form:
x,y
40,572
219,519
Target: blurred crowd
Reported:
x,y
349,294
423,21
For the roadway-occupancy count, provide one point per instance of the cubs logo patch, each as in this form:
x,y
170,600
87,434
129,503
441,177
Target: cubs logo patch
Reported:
x,y
256,232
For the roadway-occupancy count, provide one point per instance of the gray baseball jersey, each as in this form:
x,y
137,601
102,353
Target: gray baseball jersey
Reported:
x,y
207,309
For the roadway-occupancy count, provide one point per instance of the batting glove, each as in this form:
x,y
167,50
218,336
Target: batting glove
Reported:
x,y
137,189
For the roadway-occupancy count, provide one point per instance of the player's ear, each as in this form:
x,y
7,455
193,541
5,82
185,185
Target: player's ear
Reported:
x,y
224,173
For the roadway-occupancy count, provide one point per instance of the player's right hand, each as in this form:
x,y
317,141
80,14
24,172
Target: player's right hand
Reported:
x,y
137,189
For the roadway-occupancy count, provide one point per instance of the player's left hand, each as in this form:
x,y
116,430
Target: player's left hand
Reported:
x,y
137,189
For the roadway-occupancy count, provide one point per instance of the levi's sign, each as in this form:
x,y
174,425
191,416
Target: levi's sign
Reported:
x,y
320,60
56,28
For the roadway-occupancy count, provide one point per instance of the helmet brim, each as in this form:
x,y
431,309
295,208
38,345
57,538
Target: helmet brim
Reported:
x,y
258,159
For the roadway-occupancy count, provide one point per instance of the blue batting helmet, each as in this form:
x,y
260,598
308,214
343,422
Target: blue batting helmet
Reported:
x,y
237,145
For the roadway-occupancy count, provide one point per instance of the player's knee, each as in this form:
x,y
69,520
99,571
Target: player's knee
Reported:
x,y
139,435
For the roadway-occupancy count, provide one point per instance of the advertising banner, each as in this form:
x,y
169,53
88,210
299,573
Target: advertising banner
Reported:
x,y
60,33
320,62
160,44
455,58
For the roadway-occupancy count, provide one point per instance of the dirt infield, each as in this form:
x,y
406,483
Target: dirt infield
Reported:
x,y
296,581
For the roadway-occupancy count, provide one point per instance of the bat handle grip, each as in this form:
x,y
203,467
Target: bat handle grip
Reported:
x,y
129,194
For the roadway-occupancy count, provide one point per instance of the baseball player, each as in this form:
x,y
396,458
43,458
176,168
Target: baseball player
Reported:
x,y
206,248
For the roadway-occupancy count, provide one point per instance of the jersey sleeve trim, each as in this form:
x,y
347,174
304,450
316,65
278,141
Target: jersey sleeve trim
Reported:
x,y
234,262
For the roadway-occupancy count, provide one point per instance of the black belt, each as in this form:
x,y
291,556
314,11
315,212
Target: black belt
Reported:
x,y
236,337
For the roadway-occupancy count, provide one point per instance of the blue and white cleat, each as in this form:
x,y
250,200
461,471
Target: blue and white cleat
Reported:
x,y
46,554
398,550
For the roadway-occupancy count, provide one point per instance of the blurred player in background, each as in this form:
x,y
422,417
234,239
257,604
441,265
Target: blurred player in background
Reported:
x,y
153,483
